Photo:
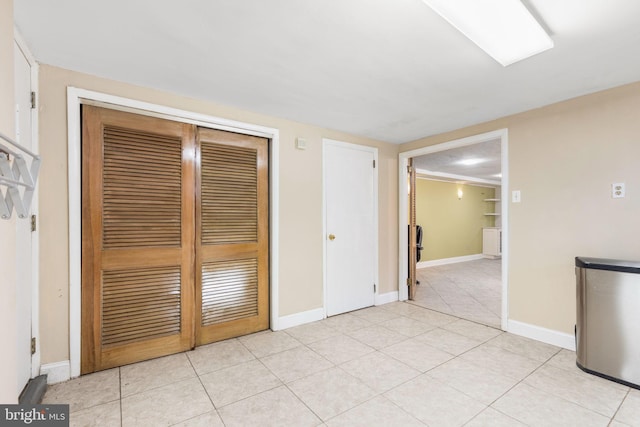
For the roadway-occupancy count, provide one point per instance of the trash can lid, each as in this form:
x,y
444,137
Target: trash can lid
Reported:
x,y
608,264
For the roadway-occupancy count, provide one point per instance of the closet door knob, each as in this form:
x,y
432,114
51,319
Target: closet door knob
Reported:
x,y
332,237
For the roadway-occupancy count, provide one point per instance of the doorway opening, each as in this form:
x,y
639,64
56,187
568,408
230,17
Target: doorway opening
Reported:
x,y
455,202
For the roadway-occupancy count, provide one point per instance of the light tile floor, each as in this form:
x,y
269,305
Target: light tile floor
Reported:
x,y
392,365
470,290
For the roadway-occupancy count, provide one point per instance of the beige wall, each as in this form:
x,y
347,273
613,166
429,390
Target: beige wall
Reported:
x,y
564,158
451,227
300,201
8,315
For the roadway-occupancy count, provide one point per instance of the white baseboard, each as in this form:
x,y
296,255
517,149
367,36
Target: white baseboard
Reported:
x,y
56,372
444,261
297,319
538,333
386,298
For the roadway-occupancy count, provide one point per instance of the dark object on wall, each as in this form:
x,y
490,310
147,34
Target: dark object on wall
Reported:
x,y
418,244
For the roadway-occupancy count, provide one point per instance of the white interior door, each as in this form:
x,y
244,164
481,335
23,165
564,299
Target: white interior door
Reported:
x,y
351,226
24,271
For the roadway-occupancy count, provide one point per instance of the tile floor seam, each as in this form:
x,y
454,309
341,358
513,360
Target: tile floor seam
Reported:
x,y
402,409
620,405
322,422
507,415
554,394
251,396
546,393
202,384
367,401
517,383
92,406
247,348
376,394
217,409
120,395
282,383
333,365
157,386
315,352
480,344
570,401
453,356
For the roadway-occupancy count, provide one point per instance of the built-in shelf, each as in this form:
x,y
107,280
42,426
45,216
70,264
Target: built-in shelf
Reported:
x,y
492,213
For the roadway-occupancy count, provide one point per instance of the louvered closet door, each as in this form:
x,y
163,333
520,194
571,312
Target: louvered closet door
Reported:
x,y
137,238
232,240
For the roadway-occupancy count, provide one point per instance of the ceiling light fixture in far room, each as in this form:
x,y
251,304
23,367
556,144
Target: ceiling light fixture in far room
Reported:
x,y
469,162
504,29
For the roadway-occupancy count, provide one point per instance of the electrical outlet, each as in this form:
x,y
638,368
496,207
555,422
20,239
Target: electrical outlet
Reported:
x,y
617,190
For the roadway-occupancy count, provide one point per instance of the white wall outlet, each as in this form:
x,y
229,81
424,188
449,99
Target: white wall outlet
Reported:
x,y
617,190
515,196
301,143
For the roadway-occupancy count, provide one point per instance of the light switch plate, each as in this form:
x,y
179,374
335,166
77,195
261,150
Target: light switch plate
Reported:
x,y
301,143
617,190
515,196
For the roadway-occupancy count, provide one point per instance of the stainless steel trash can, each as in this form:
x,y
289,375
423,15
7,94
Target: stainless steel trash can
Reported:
x,y
608,319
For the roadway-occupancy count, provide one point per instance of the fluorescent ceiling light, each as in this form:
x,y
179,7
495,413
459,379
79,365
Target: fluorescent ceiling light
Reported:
x,y
470,162
504,29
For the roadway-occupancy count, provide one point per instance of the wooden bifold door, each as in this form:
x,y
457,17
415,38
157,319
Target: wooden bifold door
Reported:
x,y
174,237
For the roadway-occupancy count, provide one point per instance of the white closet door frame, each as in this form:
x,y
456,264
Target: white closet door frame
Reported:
x,y
76,97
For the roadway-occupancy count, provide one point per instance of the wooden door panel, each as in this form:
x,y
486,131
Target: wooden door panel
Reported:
x,y
174,237
137,243
229,290
232,236
412,280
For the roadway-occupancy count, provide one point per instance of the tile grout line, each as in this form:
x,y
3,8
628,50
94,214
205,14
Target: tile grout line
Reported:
x,y
120,395
337,366
156,387
536,388
613,417
566,400
205,390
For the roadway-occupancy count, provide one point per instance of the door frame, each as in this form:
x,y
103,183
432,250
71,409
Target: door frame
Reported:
x,y
325,169
35,235
403,200
77,97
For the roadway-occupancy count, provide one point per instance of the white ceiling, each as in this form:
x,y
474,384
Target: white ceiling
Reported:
x,y
449,162
392,70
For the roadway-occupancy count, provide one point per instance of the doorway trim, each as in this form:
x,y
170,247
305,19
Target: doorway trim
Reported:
x,y
325,171
77,97
403,201
35,235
